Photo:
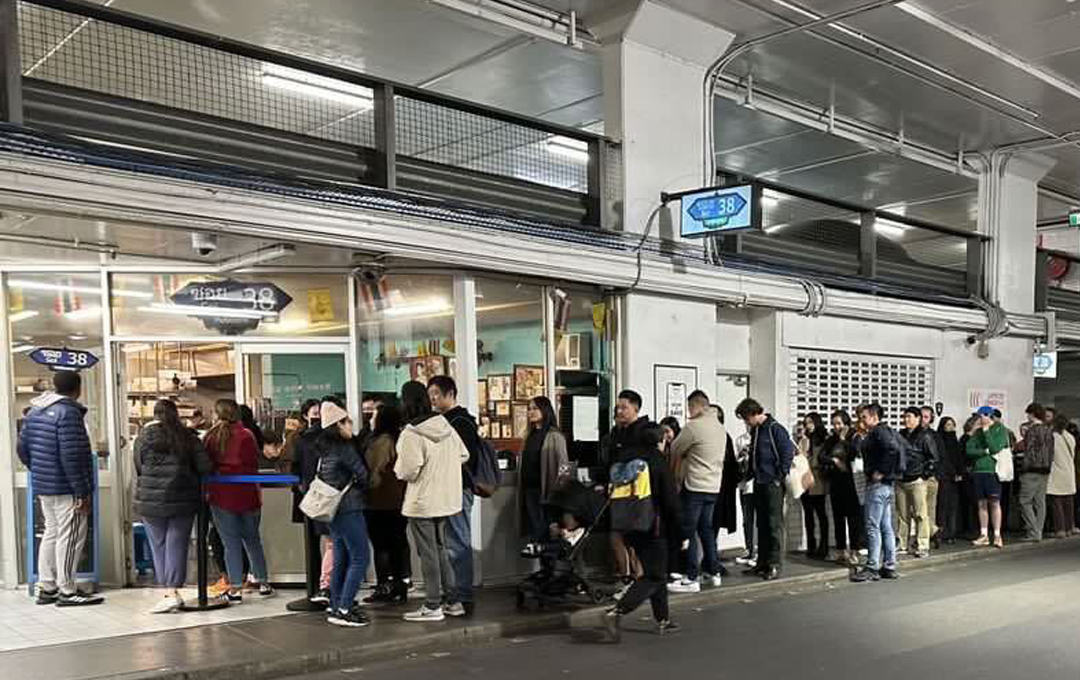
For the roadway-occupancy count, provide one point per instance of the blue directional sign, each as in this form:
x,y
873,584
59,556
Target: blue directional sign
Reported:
x,y
717,210
63,359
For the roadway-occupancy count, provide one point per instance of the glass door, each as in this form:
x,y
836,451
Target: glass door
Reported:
x,y
274,381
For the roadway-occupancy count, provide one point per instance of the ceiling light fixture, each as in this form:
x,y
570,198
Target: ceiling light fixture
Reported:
x,y
83,314
429,307
310,85
255,257
887,228
770,199
19,349
578,149
88,290
196,310
23,315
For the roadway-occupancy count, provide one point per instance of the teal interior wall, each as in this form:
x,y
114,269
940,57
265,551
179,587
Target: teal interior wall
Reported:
x,y
293,378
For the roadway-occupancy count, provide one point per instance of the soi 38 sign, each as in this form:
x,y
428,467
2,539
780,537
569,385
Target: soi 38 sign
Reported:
x,y
231,307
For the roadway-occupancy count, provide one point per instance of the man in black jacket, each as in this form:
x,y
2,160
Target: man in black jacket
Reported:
x,y
442,390
1037,448
771,455
621,442
651,547
880,450
911,498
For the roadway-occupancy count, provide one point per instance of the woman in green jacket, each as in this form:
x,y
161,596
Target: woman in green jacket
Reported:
x,y
987,440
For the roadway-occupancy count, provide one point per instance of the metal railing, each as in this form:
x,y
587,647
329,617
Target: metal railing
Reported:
x,y
820,235
113,76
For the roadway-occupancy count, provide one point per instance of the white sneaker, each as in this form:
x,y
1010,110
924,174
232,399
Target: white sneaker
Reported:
x,y
618,594
684,586
746,560
168,605
713,580
456,609
424,614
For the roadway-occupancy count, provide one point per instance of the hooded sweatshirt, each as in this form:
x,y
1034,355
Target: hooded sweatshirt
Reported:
x,y
430,456
54,445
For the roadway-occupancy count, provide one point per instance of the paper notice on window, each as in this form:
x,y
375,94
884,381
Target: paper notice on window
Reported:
x,y
586,412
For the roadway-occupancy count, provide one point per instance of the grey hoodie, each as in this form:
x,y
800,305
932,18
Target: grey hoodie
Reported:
x,y
430,456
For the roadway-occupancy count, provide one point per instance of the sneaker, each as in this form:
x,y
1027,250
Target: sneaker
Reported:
x,y
469,607
354,618
888,575
746,560
234,597
921,554
865,576
220,587
981,541
78,599
863,552
266,590
685,586
334,617
168,605
612,621
321,597
666,626
47,596
531,551
380,595
456,609
425,614
250,585
714,580
999,543
674,577
618,594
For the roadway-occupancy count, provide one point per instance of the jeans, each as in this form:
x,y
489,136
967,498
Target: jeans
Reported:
x,y
769,515
879,528
814,506
169,541
240,534
697,515
348,531
1033,503
652,552
429,537
459,543
749,535
387,529
911,510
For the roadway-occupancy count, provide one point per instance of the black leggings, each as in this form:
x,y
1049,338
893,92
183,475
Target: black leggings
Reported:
x,y
652,552
815,505
846,512
387,531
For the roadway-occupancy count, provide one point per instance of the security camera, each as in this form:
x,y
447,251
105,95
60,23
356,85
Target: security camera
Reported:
x,y
370,273
204,244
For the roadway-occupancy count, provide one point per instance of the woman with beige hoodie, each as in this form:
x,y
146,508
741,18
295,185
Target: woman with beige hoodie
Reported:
x,y
430,455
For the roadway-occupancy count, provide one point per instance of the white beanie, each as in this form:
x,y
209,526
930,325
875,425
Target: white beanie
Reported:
x,y
331,414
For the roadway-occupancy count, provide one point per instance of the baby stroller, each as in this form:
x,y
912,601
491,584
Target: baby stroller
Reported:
x,y
560,579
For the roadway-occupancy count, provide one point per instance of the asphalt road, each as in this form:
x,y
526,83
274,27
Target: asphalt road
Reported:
x,y
1005,617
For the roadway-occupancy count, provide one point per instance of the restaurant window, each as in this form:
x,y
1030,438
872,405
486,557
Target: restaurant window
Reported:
x,y
511,358
251,305
405,331
582,380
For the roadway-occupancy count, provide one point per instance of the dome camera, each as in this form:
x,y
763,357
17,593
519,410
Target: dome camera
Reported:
x,y
204,244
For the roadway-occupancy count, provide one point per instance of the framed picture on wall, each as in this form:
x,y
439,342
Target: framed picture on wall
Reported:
x,y
528,382
500,387
423,369
507,431
520,419
502,409
482,393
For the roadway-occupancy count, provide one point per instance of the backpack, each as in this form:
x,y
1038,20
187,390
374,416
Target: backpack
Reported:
x,y
485,481
631,497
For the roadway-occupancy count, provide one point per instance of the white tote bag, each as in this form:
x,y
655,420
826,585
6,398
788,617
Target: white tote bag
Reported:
x,y
321,501
1004,465
799,479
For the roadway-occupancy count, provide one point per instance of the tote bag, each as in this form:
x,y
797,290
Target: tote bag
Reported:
x,y
1004,465
321,501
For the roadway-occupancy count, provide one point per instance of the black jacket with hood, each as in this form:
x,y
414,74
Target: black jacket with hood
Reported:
x,y
169,473
465,426
618,447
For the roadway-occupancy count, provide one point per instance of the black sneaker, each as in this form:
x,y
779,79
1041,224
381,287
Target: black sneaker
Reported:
x,y
78,599
380,595
666,627
47,596
470,608
889,575
865,576
354,618
321,597
234,597
266,590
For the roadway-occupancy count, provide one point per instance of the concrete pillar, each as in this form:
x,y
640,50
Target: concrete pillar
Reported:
x,y
654,62
1008,211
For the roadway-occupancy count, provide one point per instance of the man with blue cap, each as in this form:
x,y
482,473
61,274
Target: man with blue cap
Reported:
x,y
987,440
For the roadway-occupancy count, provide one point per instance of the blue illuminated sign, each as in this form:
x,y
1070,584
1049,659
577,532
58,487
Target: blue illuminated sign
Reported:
x,y
717,211
63,359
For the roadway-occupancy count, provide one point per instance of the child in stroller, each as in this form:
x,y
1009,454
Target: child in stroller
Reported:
x,y
560,579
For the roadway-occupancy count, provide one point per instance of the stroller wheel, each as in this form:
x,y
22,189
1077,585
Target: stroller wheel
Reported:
x,y
597,596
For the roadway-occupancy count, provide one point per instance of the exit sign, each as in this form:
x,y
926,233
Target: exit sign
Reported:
x,y
1074,219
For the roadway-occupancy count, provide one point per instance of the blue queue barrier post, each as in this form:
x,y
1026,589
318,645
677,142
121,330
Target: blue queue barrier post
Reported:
x,y
203,549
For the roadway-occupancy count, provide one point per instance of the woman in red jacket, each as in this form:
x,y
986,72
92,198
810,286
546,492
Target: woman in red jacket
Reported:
x,y
237,508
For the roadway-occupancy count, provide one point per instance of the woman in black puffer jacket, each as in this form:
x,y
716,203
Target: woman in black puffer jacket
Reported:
x,y
170,460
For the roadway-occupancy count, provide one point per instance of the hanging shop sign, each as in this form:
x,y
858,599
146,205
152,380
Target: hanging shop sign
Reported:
x,y
231,307
1045,365
63,359
721,210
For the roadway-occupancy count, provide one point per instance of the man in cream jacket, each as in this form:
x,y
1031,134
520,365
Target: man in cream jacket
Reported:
x,y
698,453
430,456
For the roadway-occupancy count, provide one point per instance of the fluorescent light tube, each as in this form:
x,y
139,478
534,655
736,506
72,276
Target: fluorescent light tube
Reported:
x,y
88,290
886,228
196,310
430,307
257,257
23,315
577,149
310,85
83,314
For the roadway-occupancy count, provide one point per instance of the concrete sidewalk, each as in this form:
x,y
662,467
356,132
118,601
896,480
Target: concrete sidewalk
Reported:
x,y
294,644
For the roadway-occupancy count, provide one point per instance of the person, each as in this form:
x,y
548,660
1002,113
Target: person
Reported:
x,y
951,474
652,547
699,450
170,461
771,455
1051,415
911,496
726,514
236,508
812,447
988,438
304,460
369,406
430,459
842,494
1061,489
1008,489
545,468
1037,448
746,501
386,525
933,485
55,447
199,422
341,467
671,429
624,436
247,419
880,449
442,391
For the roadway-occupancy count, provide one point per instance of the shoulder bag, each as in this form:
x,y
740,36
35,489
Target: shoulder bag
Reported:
x,y
321,501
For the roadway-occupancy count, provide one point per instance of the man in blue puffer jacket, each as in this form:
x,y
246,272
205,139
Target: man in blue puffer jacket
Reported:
x,y
54,445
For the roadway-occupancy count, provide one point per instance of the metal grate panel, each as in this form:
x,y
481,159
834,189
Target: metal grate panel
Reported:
x,y
825,381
